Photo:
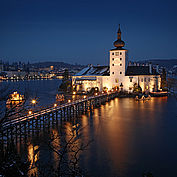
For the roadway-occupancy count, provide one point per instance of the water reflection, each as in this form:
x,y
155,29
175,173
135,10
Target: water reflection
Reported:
x,y
55,143
33,157
124,133
129,137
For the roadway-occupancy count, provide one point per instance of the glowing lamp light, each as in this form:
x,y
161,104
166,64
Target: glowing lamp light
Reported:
x,y
30,112
96,93
85,96
69,101
74,93
55,105
33,101
102,92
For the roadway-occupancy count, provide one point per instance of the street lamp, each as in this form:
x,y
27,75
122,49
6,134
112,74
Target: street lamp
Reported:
x,y
30,112
55,105
33,102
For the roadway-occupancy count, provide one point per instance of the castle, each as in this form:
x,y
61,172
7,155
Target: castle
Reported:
x,y
120,73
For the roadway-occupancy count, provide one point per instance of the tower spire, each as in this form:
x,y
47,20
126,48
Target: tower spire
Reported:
x,y
119,33
119,43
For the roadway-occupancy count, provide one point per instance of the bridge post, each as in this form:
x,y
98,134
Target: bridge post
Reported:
x,y
24,124
61,116
43,120
11,133
56,116
48,117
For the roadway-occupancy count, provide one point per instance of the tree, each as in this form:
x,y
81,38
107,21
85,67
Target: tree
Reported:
x,y
66,75
68,145
172,86
137,88
164,80
11,163
13,110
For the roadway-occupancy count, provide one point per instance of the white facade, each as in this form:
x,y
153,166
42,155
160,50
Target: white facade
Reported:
x,y
119,76
118,65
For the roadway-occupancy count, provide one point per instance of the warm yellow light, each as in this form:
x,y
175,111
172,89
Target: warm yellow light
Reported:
x,y
33,101
55,105
102,92
69,101
30,112
74,93
85,96
96,93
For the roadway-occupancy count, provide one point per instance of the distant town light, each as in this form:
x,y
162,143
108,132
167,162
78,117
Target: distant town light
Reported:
x,y
55,105
74,93
69,101
85,96
96,93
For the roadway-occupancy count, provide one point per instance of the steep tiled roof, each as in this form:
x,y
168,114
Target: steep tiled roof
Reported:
x,y
139,70
94,71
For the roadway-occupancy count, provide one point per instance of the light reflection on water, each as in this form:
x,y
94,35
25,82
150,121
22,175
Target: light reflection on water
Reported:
x,y
129,137
33,157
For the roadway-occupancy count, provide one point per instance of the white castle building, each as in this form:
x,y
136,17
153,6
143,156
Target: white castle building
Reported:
x,y
120,74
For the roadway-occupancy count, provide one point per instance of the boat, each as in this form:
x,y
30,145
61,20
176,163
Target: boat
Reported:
x,y
60,97
142,98
15,98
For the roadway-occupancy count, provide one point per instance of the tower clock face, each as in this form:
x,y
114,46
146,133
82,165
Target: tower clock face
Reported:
x,y
117,62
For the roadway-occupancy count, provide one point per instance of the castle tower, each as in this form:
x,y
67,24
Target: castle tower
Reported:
x,y
118,62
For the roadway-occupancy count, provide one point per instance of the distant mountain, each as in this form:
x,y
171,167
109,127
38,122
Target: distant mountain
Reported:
x,y
167,63
58,65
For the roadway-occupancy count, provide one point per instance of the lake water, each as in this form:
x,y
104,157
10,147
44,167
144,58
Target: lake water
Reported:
x,y
129,137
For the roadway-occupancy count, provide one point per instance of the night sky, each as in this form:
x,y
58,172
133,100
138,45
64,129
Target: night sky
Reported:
x,y
83,31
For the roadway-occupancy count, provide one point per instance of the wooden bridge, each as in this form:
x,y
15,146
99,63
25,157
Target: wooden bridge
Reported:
x,y
19,128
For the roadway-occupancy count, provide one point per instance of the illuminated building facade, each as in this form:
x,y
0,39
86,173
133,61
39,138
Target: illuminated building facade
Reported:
x,y
121,74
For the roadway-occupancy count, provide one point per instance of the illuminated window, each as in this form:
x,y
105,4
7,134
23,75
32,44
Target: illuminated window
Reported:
x,y
112,72
120,59
120,72
112,64
120,53
112,59
121,64
117,53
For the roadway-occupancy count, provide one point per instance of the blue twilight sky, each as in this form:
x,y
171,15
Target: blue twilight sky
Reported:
x,y
83,31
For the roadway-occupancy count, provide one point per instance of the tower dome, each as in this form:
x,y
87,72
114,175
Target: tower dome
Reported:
x,y
119,43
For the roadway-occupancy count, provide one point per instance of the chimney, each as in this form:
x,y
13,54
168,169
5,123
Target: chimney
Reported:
x,y
157,68
150,68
